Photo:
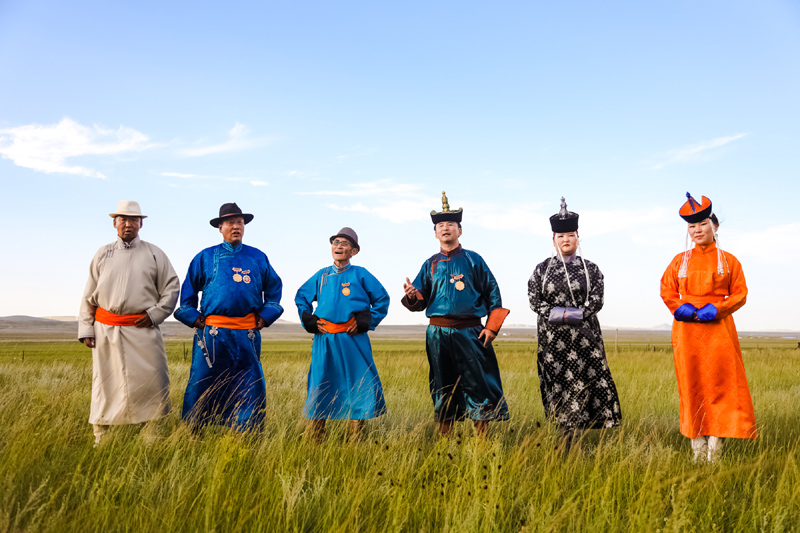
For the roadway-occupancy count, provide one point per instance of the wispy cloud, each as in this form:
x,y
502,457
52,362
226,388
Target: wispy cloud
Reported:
x,y
400,202
187,176
752,244
179,175
385,199
46,148
384,188
696,151
239,139
258,183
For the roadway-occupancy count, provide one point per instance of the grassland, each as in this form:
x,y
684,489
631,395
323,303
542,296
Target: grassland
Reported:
x,y
400,477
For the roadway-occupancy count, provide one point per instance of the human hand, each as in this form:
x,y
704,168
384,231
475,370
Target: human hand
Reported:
x,y
144,321
685,313
411,292
260,323
488,336
706,313
320,327
89,341
352,329
200,323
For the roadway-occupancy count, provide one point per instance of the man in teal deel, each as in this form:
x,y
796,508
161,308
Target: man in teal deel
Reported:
x,y
455,288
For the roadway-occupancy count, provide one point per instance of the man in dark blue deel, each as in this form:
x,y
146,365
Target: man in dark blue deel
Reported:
x,y
241,295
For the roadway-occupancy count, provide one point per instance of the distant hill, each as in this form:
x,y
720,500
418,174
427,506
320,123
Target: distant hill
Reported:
x,y
23,319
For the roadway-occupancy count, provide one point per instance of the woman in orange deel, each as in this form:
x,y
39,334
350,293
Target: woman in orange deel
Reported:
x,y
702,288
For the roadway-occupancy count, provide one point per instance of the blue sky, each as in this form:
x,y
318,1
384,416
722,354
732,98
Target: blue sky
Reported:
x,y
318,115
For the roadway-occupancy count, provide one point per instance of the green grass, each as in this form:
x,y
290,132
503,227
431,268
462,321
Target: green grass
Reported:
x,y
638,477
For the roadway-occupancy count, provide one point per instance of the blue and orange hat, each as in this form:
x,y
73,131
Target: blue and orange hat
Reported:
x,y
693,212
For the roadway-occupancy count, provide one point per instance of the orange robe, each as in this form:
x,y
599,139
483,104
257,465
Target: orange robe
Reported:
x,y
714,396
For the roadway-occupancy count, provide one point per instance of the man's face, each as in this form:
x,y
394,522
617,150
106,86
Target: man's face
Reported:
x,y
342,250
127,227
447,232
232,229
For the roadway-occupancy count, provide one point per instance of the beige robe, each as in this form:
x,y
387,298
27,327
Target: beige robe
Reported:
x,y
130,379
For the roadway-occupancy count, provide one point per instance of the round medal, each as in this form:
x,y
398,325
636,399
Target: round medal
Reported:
x,y
460,285
452,280
346,291
237,277
246,279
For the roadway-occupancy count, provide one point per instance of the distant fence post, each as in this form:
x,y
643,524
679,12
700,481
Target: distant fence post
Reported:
x,y
616,339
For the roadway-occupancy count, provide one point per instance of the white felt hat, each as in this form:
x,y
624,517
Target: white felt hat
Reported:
x,y
128,208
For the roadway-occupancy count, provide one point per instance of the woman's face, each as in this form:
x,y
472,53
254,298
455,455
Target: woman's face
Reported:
x,y
702,233
566,243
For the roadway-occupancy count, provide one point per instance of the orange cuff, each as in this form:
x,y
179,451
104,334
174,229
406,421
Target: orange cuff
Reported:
x,y
496,319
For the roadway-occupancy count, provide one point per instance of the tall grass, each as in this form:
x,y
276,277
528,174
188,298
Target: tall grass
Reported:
x,y
638,477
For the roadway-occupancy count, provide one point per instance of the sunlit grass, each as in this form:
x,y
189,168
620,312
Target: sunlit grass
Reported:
x,y
638,477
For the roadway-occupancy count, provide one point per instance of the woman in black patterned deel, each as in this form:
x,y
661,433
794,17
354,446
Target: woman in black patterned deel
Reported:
x,y
566,292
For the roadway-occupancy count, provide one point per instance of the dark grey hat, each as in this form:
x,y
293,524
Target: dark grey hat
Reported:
x,y
230,210
348,234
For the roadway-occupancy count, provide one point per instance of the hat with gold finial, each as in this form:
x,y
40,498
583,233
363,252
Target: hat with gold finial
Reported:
x,y
564,221
446,215
693,212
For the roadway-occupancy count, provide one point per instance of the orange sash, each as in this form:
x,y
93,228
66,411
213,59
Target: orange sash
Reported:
x,y
112,319
233,322
337,328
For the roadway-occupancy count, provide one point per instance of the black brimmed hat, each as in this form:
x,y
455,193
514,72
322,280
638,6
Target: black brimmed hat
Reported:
x,y
230,210
348,234
564,221
693,212
446,215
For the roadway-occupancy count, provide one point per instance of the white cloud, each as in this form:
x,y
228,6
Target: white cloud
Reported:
x,y
384,188
772,245
238,140
258,183
695,151
187,176
397,211
179,175
401,202
46,148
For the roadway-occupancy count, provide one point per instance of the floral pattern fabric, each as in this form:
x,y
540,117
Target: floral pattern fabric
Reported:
x,y
577,389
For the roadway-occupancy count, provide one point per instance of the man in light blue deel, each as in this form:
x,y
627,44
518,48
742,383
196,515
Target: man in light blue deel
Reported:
x,y
343,382
241,294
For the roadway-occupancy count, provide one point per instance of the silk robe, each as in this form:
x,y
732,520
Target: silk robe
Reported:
x,y
343,381
577,389
464,374
130,378
714,395
226,380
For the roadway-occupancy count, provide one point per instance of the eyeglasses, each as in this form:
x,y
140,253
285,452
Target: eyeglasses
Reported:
x,y
344,243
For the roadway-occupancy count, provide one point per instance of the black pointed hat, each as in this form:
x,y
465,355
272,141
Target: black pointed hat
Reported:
x,y
564,221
